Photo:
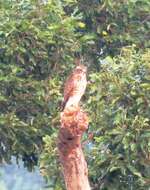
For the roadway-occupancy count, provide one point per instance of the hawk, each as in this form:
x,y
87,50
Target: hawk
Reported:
x,y
75,86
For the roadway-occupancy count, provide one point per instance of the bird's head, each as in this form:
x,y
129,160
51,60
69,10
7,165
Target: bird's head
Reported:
x,y
81,69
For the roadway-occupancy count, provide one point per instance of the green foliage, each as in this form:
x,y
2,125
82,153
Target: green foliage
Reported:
x,y
120,96
38,40
115,24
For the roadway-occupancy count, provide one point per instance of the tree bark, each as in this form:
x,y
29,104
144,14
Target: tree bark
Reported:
x,y
74,122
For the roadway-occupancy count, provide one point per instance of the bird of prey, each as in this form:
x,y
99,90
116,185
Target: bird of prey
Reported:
x,y
75,86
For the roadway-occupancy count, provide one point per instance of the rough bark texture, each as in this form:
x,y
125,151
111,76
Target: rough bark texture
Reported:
x,y
74,122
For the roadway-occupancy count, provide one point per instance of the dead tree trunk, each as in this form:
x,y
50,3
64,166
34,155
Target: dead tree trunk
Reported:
x,y
74,122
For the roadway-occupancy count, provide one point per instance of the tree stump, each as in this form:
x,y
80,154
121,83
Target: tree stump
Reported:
x,y
74,122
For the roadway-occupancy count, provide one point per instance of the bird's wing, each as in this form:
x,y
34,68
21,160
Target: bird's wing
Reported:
x,y
69,86
68,90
